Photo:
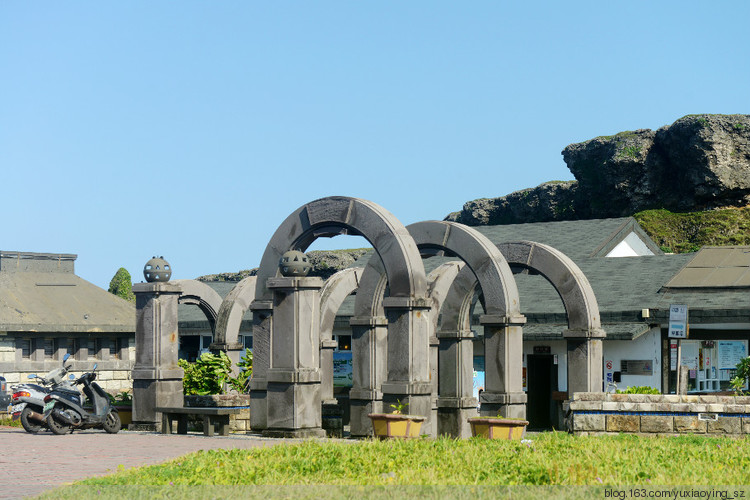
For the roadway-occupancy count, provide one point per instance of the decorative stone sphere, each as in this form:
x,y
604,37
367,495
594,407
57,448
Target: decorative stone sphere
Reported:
x,y
157,270
294,264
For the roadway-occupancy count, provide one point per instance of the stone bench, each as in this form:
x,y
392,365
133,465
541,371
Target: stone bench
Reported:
x,y
211,416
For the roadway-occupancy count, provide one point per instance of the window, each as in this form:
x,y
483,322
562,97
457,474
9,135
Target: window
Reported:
x,y
345,342
24,345
110,347
91,348
247,342
49,348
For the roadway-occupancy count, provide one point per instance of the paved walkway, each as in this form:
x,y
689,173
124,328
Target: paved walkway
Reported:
x,y
32,463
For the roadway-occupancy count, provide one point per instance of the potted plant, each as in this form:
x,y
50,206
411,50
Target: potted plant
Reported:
x,y
498,427
123,401
396,424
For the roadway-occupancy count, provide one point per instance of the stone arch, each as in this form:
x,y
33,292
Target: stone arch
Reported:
x,y
584,333
335,290
502,322
229,319
571,284
198,293
394,246
337,215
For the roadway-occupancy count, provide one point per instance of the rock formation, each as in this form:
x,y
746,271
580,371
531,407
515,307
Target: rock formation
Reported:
x,y
324,264
697,163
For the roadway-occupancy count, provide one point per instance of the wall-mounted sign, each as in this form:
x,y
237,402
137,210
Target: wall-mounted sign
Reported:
x,y
637,367
342,369
678,321
542,349
731,352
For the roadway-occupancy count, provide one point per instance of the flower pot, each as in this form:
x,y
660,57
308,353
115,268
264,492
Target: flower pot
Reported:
x,y
126,414
390,425
498,428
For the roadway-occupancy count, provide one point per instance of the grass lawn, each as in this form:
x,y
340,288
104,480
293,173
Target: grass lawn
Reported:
x,y
546,459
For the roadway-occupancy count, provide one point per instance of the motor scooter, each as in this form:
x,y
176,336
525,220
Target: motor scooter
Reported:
x,y
63,408
28,399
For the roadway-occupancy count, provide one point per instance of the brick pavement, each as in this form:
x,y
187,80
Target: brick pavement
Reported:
x,y
33,463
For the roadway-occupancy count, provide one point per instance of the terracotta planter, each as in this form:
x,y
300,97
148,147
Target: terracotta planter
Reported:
x,y
390,425
498,428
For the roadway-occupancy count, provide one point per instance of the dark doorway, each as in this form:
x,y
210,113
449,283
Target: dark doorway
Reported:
x,y
541,377
190,346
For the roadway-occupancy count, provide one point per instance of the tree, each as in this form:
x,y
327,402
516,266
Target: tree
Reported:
x,y
121,285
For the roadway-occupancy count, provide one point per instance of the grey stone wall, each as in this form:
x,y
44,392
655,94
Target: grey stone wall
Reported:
x,y
600,413
237,423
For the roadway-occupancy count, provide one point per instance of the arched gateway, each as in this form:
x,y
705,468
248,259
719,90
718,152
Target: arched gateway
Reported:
x,y
285,390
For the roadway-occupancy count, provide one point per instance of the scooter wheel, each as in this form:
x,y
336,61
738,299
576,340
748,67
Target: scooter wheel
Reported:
x,y
112,423
29,424
57,427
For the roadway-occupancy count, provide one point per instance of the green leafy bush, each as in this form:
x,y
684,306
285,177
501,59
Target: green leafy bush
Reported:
x,y
122,285
743,373
639,390
241,382
207,375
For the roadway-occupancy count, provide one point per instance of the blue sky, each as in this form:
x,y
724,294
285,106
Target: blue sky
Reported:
x,y
191,129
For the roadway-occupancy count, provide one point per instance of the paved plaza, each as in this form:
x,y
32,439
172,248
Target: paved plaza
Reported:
x,y
33,463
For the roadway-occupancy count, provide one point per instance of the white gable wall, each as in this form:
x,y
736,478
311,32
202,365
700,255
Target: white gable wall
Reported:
x,y
631,246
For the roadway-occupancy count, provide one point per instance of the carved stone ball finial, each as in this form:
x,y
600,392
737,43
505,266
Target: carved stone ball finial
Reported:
x,y
294,264
157,270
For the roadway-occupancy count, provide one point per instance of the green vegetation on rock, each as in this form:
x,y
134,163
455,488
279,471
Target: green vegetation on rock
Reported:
x,y
122,285
688,232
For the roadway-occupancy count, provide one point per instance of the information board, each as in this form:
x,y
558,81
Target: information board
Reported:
x,y
731,352
342,369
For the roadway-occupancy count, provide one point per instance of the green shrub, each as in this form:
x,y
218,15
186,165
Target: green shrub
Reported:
x,y
122,285
241,381
207,375
639,390
743,373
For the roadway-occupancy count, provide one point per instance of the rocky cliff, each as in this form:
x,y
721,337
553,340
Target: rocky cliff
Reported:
x,y
324,263
699,162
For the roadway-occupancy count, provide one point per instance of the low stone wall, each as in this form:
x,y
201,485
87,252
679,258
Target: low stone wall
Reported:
x,y
237,423
601,413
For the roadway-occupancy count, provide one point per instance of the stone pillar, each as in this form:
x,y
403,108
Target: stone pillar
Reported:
x,y
503,359
262,324
326,371
293,392
456,401
434,356
409,332
157,379
369,371
585,359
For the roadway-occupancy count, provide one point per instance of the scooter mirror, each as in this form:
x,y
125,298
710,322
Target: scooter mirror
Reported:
x,y
95,365
71,377
65,358
32,375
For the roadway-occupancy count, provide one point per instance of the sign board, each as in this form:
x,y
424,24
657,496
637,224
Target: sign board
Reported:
x,y
690,356
731,352
673,355
342,369
542,349
637,367
678,316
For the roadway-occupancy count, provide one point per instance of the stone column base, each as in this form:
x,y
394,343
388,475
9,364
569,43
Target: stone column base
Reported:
x,y
359,422
294,433
454,422
144,427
